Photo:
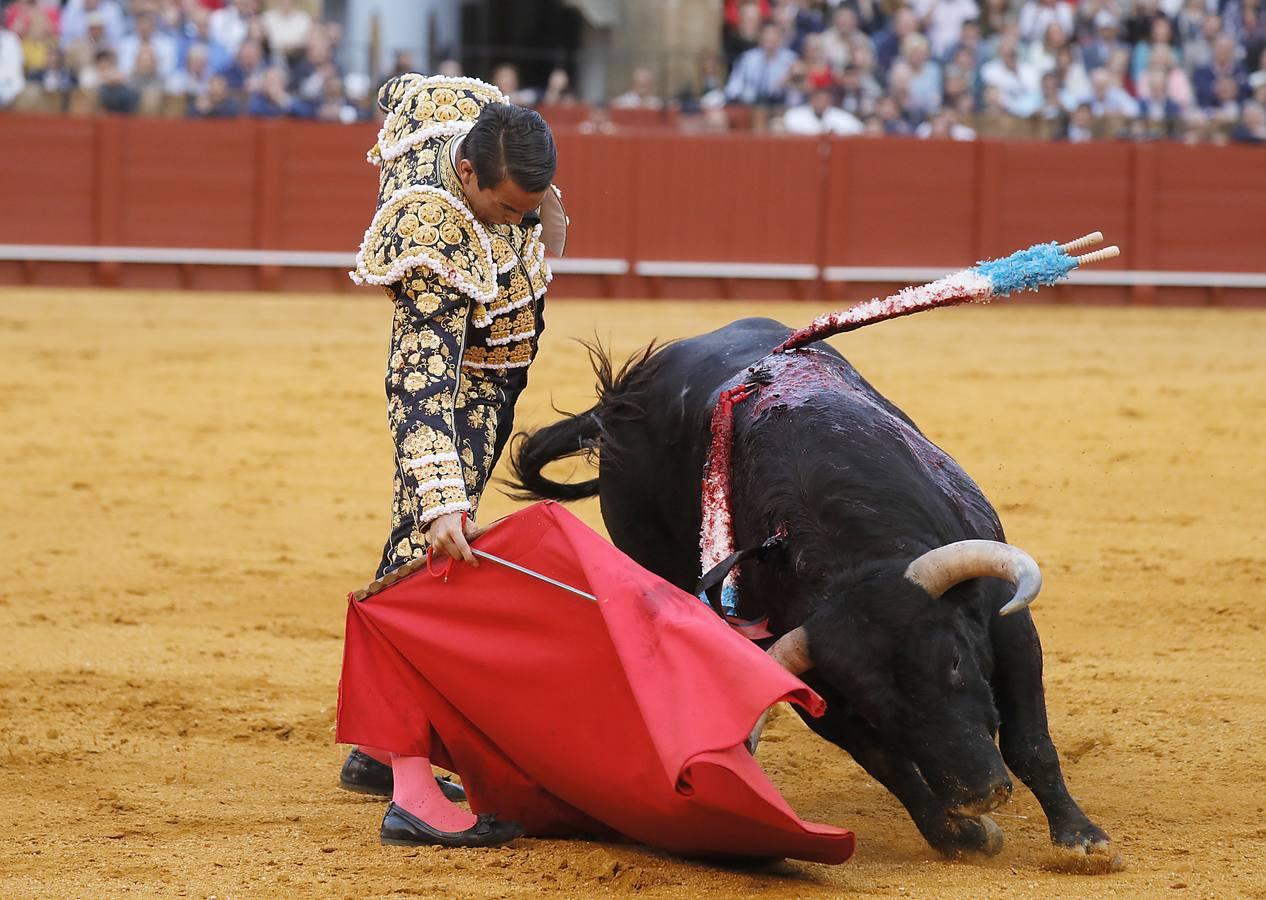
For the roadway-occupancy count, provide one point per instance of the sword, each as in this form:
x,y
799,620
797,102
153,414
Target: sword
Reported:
x,y
484,554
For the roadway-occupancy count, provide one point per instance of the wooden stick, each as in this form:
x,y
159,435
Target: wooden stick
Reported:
x,y
1099,255
1089,240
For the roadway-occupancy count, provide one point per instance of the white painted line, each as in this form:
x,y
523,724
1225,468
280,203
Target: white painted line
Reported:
x,y
595,266
675,269
200,256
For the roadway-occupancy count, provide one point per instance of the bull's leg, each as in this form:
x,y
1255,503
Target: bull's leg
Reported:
x,y
949,836
1025,738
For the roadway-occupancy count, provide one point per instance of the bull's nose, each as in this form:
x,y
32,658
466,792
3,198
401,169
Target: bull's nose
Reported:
x,y
998,795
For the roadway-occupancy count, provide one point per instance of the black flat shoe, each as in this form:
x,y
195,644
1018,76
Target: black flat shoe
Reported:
x,y
403,829
366,775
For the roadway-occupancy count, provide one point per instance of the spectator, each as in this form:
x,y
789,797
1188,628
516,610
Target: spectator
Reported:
x,y
820,116
334,105
1016,82
993,16
1197,52
192,81
1157,111
1051,114
449,68
1162,36
1073,81
1042,54
1223,64
12,79
287,28
943,22
1189,24
247,71
844,34
599,121
114,94
22,15
1108,98
798,20
218,102
1173,80
271,99
744,35
888,42
944,126
1225,111
760,75
146,34
38,44
817,71
506,78
706,91
1196,128
196,32
58,82
871,14
313,68
641,92
995,120
231,24
891,122
1106,38
969,48
74,24
858,92
1136,26
1038,15
558,90
147,81
797,87
923,76
1081,126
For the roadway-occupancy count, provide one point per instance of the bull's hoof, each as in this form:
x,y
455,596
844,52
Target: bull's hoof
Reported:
x,y
1087,839
1086,850
963,837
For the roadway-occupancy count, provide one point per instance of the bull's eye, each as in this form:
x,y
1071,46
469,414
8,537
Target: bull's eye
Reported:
x,y
955,675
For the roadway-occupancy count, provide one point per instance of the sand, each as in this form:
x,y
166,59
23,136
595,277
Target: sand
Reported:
x,y
193,483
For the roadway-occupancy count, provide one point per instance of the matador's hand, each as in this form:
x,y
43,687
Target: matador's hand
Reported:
x,y
449,535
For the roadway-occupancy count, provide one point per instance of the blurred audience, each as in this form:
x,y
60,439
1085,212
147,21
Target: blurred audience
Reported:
x,y
1183,70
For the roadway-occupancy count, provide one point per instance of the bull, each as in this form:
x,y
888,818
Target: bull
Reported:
x,y
885,593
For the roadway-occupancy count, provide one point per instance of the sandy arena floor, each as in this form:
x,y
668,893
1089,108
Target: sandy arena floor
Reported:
x,y
193,482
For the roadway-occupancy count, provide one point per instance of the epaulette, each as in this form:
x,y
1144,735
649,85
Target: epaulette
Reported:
x,y
420,108
424,226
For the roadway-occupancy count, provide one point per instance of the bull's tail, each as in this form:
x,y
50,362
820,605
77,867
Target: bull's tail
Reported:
x,y
533,451
583,434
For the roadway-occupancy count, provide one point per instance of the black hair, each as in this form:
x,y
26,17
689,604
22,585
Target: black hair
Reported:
x,y
511,142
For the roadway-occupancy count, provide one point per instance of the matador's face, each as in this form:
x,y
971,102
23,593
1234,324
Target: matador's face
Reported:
x,y
505,204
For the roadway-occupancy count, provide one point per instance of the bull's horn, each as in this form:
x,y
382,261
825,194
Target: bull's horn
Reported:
x,y
939,570
792,651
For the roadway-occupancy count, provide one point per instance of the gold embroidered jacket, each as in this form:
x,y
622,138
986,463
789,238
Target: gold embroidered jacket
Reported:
x,y
468,302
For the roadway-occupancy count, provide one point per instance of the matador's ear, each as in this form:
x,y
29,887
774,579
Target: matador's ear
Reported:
x,y
554,222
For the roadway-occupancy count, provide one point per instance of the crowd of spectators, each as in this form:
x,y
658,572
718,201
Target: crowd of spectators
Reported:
x,y
1189,70
196,58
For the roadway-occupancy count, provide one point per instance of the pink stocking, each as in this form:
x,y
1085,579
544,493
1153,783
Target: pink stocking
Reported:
x,y
416,792
376,755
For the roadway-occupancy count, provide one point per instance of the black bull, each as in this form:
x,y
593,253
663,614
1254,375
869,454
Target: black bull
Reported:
x,y
917,688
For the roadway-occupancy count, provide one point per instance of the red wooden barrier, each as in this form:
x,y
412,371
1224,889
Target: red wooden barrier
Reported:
x,y
646,196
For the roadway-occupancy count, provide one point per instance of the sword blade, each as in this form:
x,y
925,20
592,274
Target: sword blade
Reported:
x,y
483,554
